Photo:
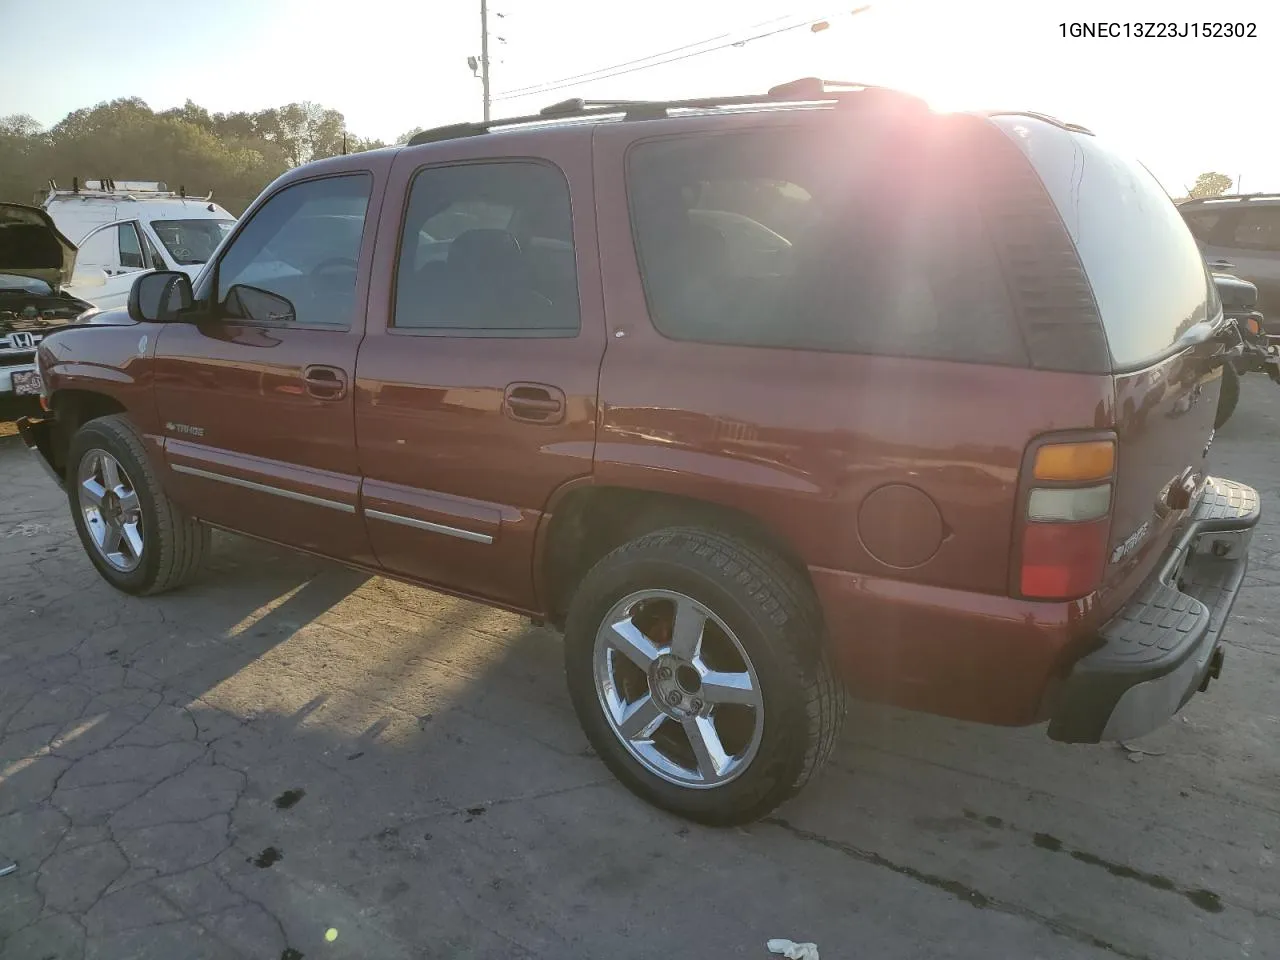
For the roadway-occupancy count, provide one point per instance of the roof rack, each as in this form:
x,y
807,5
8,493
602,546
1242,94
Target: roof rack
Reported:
x,y
804,90
107,188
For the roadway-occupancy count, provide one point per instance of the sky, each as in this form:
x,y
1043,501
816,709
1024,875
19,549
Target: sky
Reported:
x,y
1183,106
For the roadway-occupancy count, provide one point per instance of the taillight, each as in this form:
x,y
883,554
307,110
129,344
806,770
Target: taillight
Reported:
x,y
1067,519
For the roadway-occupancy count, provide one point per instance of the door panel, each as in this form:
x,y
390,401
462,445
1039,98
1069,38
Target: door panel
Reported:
x,y
257,410
236,396
479,404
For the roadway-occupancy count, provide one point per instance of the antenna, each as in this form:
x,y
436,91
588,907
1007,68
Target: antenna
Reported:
x,y
484,55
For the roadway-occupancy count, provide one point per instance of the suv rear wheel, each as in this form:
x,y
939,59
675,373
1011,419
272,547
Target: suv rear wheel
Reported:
x,y
137,538
695,664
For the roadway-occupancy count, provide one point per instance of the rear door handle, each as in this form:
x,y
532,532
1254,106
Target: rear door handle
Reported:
x,y
534,403
325,382
1222,265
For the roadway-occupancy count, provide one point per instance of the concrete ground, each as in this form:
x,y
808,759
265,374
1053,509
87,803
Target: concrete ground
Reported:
x,y
289,748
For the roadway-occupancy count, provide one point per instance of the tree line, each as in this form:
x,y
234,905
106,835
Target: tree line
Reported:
x,y
233,154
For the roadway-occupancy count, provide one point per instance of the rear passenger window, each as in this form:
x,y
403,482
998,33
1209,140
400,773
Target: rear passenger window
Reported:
x,y
1203,223
1258,229
487,250
860,242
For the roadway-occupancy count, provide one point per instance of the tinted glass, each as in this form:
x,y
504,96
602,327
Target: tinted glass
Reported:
x,y
303,244
487,250
1258,229
1203,223
1148,276
841,238
130,247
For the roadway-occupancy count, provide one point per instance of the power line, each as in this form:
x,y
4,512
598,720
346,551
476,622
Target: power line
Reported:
x,y
605,73
535,87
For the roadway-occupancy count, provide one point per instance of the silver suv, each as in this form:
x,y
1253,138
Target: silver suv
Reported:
x,y
1240,235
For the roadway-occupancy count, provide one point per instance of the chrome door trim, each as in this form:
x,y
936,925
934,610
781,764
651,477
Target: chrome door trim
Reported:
x,y
430,527
263,488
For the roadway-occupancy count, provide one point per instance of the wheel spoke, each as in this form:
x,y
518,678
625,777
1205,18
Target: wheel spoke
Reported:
x,y
110,471
112,535
626,638
720,687
686,631
128,501
705,740
640,719
133,537
93,491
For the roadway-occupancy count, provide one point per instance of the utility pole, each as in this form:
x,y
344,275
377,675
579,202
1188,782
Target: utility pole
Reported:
x,y
484,54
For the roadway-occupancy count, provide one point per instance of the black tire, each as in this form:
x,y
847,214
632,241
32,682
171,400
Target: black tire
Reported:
x,y
174,545
774,614
1228,397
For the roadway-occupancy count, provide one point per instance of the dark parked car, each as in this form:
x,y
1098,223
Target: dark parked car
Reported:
x,y
935,430
1240,235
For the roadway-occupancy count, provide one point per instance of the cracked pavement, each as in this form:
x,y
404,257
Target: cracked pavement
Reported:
x,y
288,747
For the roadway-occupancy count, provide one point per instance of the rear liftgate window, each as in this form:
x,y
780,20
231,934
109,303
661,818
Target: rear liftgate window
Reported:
x,y
1147,273
829,237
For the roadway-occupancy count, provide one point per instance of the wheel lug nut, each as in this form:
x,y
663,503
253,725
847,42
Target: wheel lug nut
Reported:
x,y
673,697
664,673
696,704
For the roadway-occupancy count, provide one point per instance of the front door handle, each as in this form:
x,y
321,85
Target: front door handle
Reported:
x,y
534,403
1222,265
325,382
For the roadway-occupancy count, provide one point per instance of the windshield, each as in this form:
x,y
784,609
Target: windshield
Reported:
x,y
191,241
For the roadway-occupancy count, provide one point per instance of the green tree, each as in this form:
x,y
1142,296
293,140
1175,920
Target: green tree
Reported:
x,y
233,154
1211,185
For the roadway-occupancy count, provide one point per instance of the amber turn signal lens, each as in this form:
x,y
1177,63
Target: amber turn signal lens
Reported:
x,y
1254,327
1093,460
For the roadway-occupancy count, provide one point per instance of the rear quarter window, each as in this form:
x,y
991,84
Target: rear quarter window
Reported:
x,y
1147,274
829,236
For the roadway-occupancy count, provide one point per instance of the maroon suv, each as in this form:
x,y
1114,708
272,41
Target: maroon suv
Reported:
x,y
759,399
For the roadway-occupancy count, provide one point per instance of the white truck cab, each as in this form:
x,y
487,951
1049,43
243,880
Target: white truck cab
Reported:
x,y
126,227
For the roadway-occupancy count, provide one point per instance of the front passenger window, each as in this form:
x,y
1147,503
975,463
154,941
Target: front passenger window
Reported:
x,y
303,244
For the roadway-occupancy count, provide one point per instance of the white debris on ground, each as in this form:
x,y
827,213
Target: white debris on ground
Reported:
x,y
792,950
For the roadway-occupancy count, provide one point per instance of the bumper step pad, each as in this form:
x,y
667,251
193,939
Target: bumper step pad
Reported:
x,y
1156,651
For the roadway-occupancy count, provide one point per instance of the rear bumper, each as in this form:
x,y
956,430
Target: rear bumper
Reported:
x,y
37,434
1164,644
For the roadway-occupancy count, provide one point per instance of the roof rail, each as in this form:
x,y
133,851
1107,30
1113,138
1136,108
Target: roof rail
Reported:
x,y
804,90
1241,197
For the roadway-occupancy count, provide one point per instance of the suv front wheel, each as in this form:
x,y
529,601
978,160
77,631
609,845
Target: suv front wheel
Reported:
x,y
137,538
695,664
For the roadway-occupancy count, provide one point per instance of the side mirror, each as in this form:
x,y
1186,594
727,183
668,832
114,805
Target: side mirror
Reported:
x,y
261,306
157,297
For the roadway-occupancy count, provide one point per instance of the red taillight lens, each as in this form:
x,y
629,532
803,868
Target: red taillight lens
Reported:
x,y
1063,561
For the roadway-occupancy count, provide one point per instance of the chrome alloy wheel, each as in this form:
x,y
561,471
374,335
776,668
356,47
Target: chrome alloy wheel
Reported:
x,y
678,689
112,513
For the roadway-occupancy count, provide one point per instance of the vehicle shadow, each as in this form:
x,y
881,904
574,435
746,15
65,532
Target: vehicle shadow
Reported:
x,y
345,749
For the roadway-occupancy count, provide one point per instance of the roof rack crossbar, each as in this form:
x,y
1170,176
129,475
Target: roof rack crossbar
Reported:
x,y
804,90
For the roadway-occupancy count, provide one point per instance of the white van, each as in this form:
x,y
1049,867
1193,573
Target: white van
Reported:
x,y
126,227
